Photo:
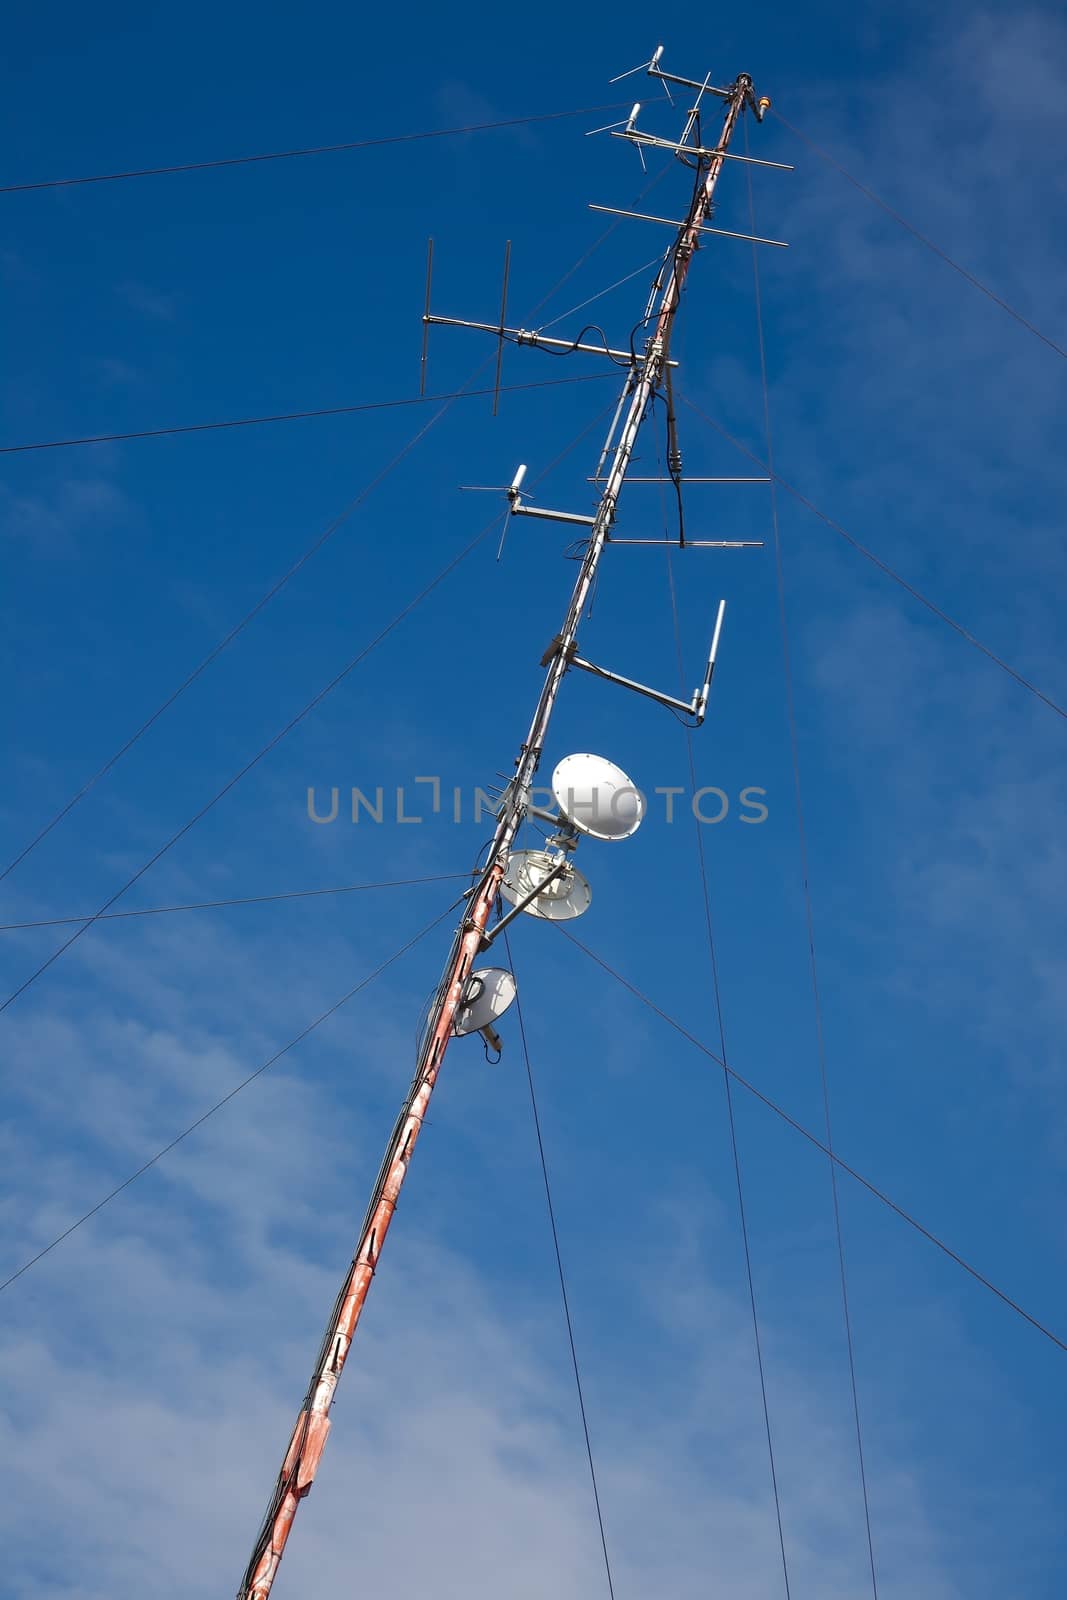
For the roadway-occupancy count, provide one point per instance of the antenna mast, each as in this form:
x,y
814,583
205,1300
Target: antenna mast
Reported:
x,y
465,1001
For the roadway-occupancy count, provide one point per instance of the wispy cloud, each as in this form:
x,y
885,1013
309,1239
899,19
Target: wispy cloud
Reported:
x,y
48,522
157,305
151,1366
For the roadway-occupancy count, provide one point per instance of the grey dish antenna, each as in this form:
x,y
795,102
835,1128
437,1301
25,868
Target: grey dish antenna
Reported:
x,y
596,797
556,897
487,994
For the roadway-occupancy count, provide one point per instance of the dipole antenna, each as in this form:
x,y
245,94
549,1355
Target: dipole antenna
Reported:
x,y
594,797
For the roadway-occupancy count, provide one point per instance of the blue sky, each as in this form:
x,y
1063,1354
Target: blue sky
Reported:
x,y
150,1367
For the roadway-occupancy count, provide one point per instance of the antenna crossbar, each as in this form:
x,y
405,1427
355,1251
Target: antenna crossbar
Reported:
x,y
696,707
530,336
694,544
553,516
672,222
651,142
702,87
686,480
638,688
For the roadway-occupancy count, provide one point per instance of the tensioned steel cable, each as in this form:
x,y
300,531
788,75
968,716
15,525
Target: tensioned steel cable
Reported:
x,y
263,751
794,746
292,416
317,544
328,1013
309,150
466,393
618,284
727,1088
226,1098
737,1077
293,721
562,1279
238,628
264,600
244,900
883,566
910,227
814,1140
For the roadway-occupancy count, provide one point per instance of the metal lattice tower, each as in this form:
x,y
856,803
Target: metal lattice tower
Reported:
x,y
452,1008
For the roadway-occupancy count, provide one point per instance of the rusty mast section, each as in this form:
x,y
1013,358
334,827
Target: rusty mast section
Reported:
x,y
648,368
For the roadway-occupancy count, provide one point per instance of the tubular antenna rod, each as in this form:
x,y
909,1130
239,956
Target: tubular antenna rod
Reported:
x,y
554,516
642,380
712,655
503,314
695,544
650,141
654,70
688,83
686,479
672,222
531,337
638,688
512,493
426,318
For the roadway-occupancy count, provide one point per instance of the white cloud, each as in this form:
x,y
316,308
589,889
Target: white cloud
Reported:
x,y
48,523
153,1364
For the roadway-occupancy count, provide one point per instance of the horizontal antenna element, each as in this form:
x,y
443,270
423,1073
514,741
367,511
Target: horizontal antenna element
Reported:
x,y
672,222
529,336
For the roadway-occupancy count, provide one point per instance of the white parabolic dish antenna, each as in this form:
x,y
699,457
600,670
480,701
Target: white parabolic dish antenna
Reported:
x,y
597,797
565,897
487,995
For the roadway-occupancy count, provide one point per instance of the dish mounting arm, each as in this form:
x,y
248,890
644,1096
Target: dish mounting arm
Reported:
x,y
696,707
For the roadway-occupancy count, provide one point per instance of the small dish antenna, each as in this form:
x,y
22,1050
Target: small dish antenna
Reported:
x,y
596,797
567,895
486,996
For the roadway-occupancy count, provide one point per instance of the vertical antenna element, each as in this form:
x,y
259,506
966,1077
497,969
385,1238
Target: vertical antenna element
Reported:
x,y
702,698
513,500
426,316
503,317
